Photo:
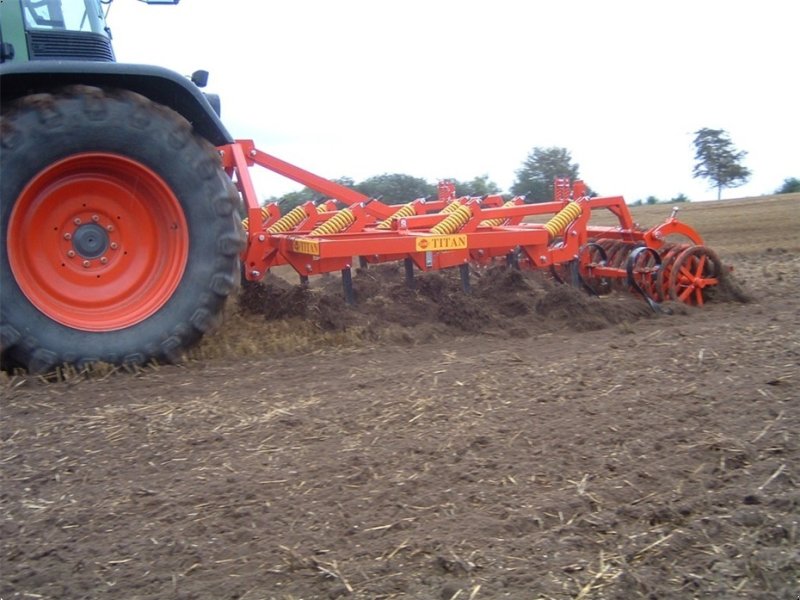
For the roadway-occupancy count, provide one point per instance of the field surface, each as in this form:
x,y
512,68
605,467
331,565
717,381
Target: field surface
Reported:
x,y
524,442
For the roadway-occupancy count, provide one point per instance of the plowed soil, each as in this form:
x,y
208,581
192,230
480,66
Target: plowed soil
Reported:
x,y
524,441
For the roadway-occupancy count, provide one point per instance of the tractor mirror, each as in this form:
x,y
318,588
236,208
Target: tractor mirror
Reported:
x,y
200,78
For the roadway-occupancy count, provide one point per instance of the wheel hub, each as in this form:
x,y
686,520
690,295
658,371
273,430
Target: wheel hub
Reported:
x,y
90,240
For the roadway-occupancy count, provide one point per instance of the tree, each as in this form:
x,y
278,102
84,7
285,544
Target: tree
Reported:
x,y
541,167
791,185
478,186
292,199
396,188
718,160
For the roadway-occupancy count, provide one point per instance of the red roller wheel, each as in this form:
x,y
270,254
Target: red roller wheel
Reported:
x,y
669,254
618,255
695,272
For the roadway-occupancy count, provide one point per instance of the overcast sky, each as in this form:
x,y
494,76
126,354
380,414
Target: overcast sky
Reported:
x,y
461,88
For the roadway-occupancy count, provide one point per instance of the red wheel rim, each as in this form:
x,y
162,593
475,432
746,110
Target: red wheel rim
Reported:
x,y
695,271
98,242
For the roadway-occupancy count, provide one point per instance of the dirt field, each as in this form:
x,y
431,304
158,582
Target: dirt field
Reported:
x,y
524,442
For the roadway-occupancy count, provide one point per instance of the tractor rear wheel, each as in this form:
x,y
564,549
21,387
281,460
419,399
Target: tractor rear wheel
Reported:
x,y
120,235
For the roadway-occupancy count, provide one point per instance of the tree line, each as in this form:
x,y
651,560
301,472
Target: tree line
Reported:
x,y
717,161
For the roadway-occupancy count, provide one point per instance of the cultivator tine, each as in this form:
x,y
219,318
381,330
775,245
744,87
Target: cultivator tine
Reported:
x,y
408,265
347,286
465,283
473,232
512,259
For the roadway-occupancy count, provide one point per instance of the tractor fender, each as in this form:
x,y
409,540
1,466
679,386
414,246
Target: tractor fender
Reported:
x,y
156,83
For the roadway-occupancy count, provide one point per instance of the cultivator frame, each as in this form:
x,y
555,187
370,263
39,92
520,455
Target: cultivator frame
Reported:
x,y
447,232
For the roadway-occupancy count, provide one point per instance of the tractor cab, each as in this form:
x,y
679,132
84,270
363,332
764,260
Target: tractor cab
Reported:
x,y
54,30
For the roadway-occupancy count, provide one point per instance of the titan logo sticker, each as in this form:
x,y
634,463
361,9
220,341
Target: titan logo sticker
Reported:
x,y
306,247
441,243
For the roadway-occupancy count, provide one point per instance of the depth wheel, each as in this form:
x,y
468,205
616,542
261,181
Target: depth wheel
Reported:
x,y
119,231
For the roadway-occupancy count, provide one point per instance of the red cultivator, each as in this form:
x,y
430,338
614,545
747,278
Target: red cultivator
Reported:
x,y
459,232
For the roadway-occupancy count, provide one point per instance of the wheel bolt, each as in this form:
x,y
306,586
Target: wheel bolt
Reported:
x,y
114,245
76,221
67,236
103,260
95,218
109,228
86,264
71,253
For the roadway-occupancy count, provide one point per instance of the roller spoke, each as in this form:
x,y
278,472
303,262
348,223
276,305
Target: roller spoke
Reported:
x,y
701,264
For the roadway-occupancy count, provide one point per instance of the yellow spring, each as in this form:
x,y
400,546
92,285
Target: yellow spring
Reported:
x,y
452,207
406,210
562,218
496,222
321,208
246,221
454,221
288,221
336,223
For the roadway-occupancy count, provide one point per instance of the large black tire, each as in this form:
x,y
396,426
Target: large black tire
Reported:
x,y
61,154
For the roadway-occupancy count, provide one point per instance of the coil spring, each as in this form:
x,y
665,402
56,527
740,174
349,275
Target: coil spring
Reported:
x,y
246,221
453,206
336,223
562,218
288,221
497,222
406,210
454,221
